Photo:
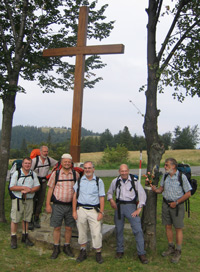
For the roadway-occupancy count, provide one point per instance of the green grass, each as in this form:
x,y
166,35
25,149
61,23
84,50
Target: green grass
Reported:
x,y
37,258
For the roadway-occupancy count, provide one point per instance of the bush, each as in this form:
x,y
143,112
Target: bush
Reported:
x,y
114,155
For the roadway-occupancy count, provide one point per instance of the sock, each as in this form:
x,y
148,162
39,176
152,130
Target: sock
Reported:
x,y
83,248
98,250
178,247
171,244
13,233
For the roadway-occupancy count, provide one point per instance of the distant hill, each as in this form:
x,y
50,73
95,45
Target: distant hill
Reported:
x,y
37,135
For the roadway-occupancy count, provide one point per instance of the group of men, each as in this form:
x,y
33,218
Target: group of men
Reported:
x,y
80,200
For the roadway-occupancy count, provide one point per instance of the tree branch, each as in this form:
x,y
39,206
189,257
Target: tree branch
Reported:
x,y
11,19
182,4
176,46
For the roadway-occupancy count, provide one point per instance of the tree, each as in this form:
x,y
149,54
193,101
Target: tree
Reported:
x,y
26,28
124,138
166,138
187,138
175,64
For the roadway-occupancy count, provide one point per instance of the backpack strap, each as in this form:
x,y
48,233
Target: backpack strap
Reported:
x,y
37,160
133,185
78,188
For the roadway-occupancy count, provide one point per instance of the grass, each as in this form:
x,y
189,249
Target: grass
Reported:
x,y
37,258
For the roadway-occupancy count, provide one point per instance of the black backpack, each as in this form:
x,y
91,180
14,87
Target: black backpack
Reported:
x,y
133,179
37,160
184,169
16,166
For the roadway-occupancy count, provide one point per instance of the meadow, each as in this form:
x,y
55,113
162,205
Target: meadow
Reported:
x,y
37,258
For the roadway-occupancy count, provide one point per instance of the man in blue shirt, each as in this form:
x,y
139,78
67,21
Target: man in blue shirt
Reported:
x,y
24,183
173,210
88,208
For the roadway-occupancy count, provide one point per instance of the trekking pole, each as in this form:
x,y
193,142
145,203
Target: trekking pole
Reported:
x,y
24,202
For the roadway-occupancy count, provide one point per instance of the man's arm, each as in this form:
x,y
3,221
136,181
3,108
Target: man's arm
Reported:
x,y
101,212
74,205
157,190
48,200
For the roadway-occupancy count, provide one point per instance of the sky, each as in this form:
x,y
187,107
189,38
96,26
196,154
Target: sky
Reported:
x,y
108,106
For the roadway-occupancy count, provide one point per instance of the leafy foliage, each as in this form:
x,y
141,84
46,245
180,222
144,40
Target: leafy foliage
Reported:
x,y
27,27
116,155
187,138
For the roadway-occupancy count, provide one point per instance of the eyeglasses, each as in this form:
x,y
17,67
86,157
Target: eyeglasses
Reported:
x,y
87,168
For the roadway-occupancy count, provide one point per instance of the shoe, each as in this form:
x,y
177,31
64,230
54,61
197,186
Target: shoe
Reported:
x,y
26,240
56,251
67,250
176,257
119,255
82,256
13,241
37,222
169,251
31,225
143,259
99,258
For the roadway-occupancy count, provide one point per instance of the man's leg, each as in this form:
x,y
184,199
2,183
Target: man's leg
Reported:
x,y
39,204
13,235
119,226
82,226
56,239
67,249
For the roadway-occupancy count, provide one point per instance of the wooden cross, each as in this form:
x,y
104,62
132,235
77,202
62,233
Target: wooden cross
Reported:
x,y
80,51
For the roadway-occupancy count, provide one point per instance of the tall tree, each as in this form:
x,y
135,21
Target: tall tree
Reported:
x,y
186,138
175,63
26,28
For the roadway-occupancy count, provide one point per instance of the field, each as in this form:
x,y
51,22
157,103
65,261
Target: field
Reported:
x,y
187,156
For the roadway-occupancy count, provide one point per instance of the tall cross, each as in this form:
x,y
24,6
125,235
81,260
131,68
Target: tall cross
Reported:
x,y
80,51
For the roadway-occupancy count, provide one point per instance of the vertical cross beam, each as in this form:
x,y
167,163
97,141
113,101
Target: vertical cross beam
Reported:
x,y
78,86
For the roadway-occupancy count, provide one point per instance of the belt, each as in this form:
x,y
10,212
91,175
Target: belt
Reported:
x,y
87,208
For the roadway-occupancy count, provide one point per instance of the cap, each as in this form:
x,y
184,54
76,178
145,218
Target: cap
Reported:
x,y
66,156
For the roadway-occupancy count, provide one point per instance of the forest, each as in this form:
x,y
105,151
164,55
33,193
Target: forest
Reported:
x,y
26,138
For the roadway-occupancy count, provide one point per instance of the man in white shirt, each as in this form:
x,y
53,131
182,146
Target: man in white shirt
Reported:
x,y
127,189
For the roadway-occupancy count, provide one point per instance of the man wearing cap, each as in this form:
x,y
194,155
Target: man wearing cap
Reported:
x,y
60,192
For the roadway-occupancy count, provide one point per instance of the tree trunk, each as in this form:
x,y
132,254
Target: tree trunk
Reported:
x,y
8,111
155,148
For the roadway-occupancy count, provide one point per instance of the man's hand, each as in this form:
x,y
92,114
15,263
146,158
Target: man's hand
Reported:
x,y
136,212
100,216
75,216
113,204
26,190
48,208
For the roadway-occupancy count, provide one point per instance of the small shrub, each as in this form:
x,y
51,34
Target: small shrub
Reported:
x,y
114,155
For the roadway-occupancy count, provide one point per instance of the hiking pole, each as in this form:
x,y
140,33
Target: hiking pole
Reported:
x,y
24,202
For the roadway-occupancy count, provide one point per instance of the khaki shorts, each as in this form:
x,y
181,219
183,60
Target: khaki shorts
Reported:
x,y
169,216
25,210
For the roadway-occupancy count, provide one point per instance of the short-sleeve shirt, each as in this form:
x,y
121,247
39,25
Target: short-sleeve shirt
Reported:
x,y
42,169
172,187
28,181
89,192
63,190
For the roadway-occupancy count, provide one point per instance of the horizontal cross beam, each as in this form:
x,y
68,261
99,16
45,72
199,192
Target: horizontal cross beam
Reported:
x,y
84,50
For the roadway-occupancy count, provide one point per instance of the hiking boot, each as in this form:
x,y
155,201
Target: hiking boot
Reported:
x,y
56,251
176,257
67,250
31,225
99,258
37,222
143,259
26,240
170,251
82,256
119,255
13,241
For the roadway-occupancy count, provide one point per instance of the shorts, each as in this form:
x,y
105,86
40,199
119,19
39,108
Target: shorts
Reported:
x,y
169,216
25,210
60,212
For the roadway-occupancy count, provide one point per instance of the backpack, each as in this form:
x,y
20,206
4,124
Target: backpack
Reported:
x,y
16,166
78,188
35,153
118,185
184,169
133,179
53,198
